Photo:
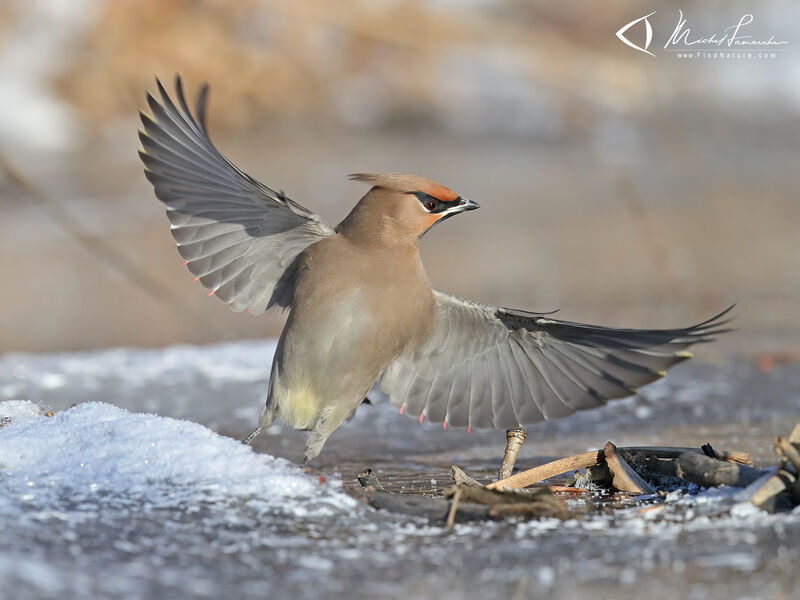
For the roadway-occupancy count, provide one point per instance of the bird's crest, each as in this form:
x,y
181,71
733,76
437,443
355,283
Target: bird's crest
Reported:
x,y
401,182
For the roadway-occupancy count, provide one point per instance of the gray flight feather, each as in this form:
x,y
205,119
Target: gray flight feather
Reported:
x,y
486,366
239,237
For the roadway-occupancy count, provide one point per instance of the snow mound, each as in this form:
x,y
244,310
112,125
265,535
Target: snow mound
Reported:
x,y
96,455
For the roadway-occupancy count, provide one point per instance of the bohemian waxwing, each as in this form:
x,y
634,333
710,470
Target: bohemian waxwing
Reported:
x,y
361,307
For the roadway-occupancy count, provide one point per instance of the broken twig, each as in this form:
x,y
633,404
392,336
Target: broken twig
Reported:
x,y
451,516
514,439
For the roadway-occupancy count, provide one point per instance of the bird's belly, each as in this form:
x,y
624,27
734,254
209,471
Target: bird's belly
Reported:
x,y
329,362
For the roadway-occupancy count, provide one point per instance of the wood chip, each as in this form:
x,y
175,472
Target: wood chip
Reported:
x,y
625,478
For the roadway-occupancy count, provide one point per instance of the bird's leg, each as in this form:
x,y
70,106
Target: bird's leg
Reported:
x,y
514,439
314,443
330,418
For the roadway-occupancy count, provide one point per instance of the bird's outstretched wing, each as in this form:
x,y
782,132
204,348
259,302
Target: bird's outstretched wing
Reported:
x,y
239,238
495,367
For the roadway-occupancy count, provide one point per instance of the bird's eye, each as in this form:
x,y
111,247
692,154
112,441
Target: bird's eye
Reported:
x,y
430,204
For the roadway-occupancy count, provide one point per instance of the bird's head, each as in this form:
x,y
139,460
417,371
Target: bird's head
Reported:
x,y
403,207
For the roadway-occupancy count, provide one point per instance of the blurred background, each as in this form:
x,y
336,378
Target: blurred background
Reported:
x,y
621,188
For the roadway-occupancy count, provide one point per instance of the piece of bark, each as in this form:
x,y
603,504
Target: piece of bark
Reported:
x,y
710,472
514,440
368,478
625,479
541,502
461,477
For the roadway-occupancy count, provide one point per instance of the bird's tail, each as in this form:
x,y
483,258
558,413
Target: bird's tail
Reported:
x,y
264,422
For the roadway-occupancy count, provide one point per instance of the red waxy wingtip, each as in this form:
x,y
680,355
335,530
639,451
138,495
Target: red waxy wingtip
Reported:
x,y
402,406
444,425
195,279
184,263
211,293
469,429
421,415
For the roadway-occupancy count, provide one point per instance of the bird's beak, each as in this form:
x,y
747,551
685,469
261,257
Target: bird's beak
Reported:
x,y
461,205
467,204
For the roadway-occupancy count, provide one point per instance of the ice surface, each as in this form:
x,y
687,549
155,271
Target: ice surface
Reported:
x,y
101,501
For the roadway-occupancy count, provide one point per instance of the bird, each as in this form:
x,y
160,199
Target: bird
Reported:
x,y
360,305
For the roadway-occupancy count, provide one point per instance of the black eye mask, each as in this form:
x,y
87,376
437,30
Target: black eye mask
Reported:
x,y
433,204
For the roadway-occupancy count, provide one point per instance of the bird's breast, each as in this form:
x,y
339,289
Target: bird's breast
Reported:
x,y
362,306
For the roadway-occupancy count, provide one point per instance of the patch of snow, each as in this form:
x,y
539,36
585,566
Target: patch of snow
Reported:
x,y
96,455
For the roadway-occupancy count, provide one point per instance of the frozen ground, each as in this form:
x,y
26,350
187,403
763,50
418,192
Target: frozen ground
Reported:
x,y
104,501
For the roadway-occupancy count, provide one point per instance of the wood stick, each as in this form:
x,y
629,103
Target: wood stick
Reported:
x,y
588,459
451,516
551,469
514,439
625,478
